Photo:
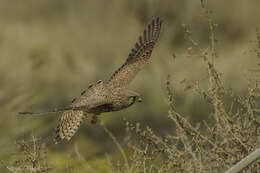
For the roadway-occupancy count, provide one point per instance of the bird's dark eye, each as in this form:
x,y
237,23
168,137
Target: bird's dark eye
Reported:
x,y
133,99
100,81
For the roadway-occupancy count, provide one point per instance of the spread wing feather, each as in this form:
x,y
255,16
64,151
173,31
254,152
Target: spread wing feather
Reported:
x,y
69,124
72,119
138,57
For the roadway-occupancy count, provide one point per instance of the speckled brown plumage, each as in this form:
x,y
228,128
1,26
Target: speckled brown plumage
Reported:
x,y
112,95
138,57
70,122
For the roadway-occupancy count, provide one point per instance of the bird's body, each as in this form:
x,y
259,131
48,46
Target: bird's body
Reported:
x,y
109,96
101,98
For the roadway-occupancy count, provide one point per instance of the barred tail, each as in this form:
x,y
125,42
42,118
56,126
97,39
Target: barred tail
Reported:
x,y
49,111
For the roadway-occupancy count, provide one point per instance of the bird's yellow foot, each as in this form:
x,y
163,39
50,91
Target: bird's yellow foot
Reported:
x,y
94,119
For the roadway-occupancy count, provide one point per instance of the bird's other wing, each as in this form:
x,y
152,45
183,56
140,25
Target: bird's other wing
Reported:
x,y
138,57
69,124
72,119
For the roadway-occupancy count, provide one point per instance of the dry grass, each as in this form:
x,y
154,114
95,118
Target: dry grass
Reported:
x,y
31,157
230,134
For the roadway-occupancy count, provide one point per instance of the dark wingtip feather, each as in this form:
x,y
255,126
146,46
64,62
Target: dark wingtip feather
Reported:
x,y
152,32
141,40
153,25
157,20
137,46
143,47
149,32
145,36
153,22
157,28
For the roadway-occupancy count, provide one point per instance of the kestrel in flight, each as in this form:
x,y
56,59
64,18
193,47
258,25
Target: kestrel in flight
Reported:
x,y
109,96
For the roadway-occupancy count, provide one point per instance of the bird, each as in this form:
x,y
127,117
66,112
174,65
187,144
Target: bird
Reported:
x,y
109,96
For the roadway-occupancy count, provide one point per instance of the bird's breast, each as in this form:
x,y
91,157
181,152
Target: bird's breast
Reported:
x,y
114,106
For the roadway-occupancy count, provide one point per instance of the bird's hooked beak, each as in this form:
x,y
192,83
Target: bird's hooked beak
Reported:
x,y
139,99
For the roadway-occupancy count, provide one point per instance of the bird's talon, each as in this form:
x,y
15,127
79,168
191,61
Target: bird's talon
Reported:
x,y
94,119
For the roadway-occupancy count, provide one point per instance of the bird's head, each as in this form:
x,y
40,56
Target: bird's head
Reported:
x,y
129,95
133,96
133,99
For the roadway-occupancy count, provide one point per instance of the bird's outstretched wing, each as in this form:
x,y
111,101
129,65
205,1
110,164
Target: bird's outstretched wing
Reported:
x,y
72,119
69,124
138,57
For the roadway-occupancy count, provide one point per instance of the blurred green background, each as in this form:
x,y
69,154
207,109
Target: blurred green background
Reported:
x,y
51,50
